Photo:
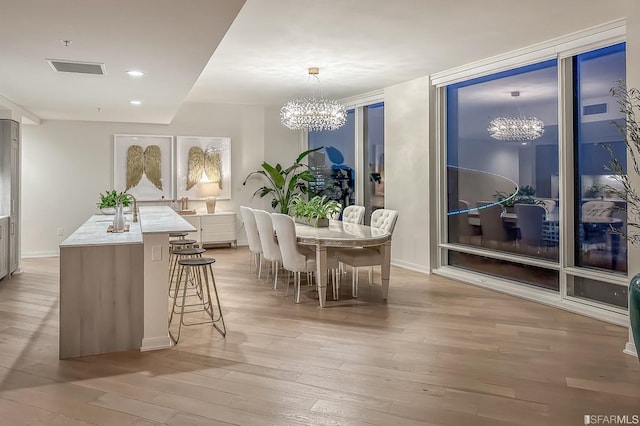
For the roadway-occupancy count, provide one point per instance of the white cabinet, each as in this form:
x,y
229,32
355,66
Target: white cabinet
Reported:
x,y
215,228
10,190
4,246
194,220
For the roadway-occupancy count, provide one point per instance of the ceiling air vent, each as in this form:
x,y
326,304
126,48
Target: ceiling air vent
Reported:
x,y
78,67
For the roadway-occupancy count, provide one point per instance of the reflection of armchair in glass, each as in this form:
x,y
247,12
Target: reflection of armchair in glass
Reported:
x,y
595,233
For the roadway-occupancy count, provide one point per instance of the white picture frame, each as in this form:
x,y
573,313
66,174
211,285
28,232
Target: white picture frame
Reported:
x,y
221,145
144,189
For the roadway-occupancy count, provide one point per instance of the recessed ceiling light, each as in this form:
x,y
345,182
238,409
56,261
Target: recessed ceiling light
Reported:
x,y
135,102
524,143
134,73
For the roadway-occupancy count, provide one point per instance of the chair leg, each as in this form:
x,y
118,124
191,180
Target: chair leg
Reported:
x,y
297,286
288,281
354,282
275,279
259,266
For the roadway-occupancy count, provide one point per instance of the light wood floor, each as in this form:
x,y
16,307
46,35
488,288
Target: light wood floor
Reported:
x,y
438,352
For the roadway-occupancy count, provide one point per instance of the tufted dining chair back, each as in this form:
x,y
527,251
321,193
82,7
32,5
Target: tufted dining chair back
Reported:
x,y
384,219
353,214
597,209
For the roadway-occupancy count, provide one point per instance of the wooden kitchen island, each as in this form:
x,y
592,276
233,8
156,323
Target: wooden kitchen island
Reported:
x,y
113,286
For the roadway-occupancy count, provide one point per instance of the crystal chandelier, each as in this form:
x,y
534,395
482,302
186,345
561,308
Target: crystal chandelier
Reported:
x,y
312,113
519,128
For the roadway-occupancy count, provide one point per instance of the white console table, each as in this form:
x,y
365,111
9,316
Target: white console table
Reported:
x,y
214,228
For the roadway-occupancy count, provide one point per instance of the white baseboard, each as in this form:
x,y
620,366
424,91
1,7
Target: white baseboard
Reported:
x,y
33,254
411,266
155,343
630,349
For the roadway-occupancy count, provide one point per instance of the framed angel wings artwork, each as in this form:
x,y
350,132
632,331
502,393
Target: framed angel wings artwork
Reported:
x,y
143,166
201,160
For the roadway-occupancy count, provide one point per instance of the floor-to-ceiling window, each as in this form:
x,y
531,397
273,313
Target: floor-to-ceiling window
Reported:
x,y
350,168
528,188
502,171
334,166
373,158
599,214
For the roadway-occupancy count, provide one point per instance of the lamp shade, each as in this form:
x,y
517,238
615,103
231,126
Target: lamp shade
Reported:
x,y
210,189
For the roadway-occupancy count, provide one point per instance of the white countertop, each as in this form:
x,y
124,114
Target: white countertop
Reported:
x,y
94,233
162,220
152,219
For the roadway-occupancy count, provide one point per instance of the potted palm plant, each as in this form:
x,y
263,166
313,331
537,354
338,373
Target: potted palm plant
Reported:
x,y
283,183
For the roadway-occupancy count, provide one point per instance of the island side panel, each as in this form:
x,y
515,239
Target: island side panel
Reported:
x,y
156,289
101,299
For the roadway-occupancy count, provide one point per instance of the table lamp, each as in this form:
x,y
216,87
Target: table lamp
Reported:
x,y
209,190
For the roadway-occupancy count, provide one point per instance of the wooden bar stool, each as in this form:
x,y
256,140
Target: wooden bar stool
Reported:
x,y
178,235
200,271
181,243
177,254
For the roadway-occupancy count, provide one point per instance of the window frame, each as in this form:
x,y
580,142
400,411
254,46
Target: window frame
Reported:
x,y
563,50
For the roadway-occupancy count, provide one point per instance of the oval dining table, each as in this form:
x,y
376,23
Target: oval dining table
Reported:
x,y
343,235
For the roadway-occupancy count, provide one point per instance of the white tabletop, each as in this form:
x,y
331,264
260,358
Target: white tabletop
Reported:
x,y
340,234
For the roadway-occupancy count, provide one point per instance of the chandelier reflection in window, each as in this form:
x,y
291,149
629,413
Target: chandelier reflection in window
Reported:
x,y
311,113
518,128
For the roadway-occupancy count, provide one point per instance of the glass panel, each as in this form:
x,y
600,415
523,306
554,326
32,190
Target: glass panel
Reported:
x,y
599,291
374,158
502,169
596,246
334,166
527,274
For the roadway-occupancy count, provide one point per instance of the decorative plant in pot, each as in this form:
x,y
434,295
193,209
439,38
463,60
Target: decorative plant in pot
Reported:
x,y
109,201
315,212
283,183
629,102
522,195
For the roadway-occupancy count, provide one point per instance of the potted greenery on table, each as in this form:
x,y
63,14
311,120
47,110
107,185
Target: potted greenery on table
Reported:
x,y
315,212
522,195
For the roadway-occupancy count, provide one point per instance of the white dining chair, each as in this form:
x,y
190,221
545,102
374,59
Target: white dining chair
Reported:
x,y
384,219
549,205
270,246
353,214
530,221
293,259
251,229
594,234
491,224
296,260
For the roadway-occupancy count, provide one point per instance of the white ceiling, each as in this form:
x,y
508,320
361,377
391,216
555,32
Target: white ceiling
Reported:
x,y
359,45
